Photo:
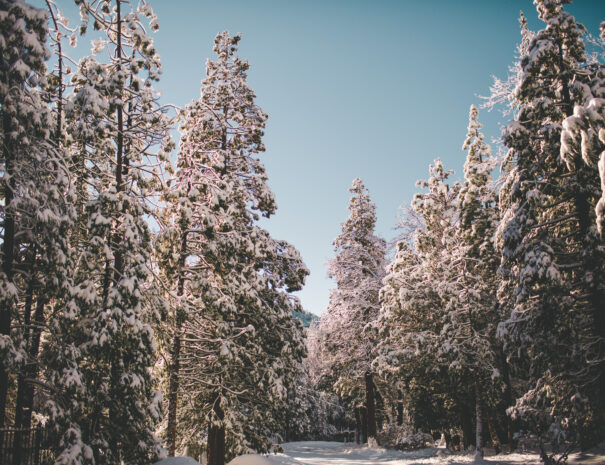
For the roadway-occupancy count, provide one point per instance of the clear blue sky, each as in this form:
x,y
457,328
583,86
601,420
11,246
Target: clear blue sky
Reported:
x,y
370,89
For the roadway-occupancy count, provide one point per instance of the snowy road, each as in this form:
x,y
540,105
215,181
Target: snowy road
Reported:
x,y
337,453
334,453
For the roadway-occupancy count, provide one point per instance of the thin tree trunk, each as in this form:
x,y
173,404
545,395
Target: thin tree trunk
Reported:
x,y
114,239
34,349
29,297
364,426
508,398
357,426
493,433
120,139
58,128
399,412
20,400
479,421
173,391
370,406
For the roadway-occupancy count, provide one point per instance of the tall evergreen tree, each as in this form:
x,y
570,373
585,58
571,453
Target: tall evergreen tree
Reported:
x,y
235,347
552,255
418,313
358,269
103,341
34,195
471,312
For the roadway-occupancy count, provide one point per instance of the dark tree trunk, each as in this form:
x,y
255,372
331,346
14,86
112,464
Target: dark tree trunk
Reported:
x,y
216,439
287,433
119,265
508,398
173,391
114,239
478,419
32,372
493,432
448,440
358,426
399,412
467,426
8,251
364,426
595,298
370,406
29,297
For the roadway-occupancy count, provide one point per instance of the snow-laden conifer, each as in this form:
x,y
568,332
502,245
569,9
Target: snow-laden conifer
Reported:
x,y
468,336
35,196
115,134
234,345
417,297
552,253
358,269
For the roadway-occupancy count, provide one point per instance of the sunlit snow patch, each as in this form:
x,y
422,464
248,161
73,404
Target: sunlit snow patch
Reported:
x,y
178,461
250,459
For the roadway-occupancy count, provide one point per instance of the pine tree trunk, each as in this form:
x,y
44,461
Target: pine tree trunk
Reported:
x,y
34,349
287,433
399,412
467,426
8,250
508,398
29,297
118,267
370,406
358,426
493,433
173,390
114,239
479,421
364,426
216,439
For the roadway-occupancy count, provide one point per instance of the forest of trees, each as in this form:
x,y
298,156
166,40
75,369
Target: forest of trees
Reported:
x,y
144,311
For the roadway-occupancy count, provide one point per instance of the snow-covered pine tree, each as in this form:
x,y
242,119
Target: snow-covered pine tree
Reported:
x,y
49,300
468,337
235,346
358,269
116,135
552,253
418,298
34,196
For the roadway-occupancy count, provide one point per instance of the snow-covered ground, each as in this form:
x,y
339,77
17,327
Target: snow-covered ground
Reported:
x,y
336,453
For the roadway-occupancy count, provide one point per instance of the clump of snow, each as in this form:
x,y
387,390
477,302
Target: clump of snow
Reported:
x,y
178,461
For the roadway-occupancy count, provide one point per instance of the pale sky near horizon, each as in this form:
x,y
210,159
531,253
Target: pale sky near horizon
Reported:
x,y
370,89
